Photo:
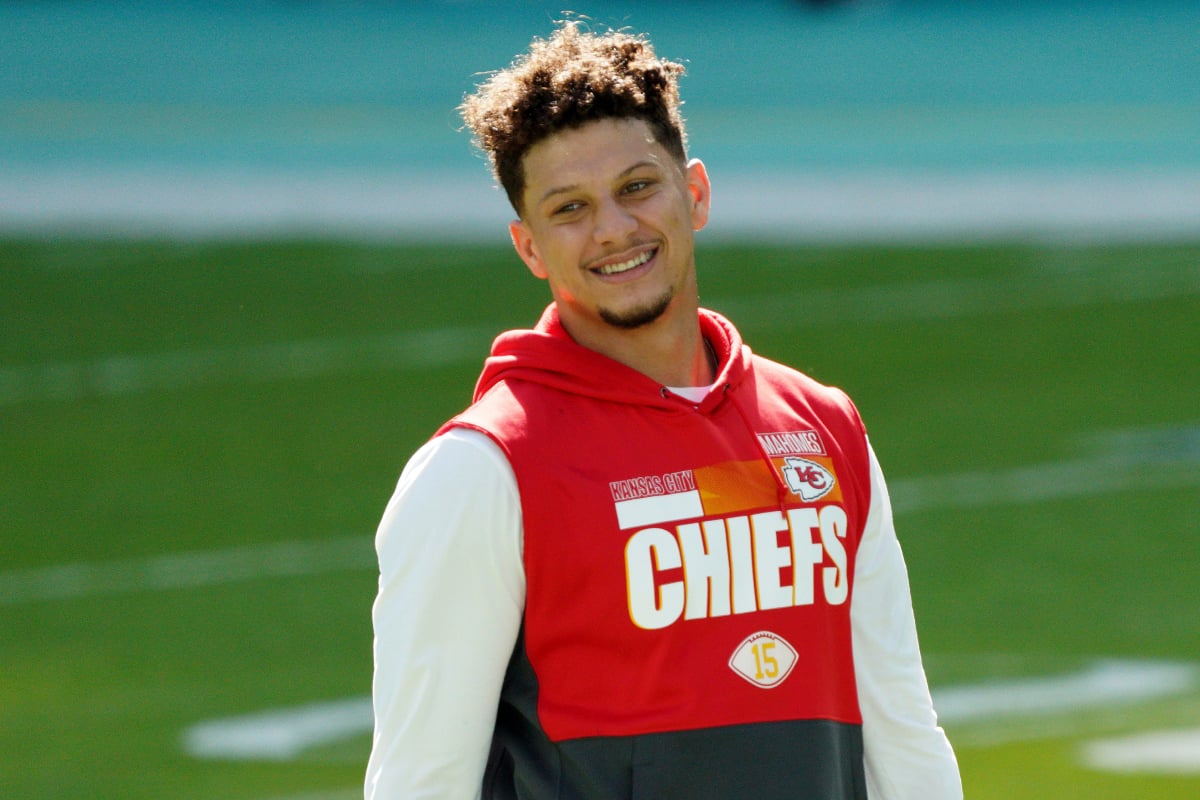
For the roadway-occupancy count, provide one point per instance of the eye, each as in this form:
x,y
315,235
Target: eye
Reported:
x,y
567,208
635,186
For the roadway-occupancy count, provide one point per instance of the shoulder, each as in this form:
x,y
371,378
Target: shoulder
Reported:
x,y
495,410
796,387
455,461
459,482
511,412
460,446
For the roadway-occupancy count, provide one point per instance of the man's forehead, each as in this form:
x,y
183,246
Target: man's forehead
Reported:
x,y
604,148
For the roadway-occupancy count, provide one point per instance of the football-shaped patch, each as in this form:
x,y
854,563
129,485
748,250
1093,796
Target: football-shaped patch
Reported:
x,y
764,659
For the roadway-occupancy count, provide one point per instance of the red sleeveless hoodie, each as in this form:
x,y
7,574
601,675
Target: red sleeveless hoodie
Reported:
x,y
688,570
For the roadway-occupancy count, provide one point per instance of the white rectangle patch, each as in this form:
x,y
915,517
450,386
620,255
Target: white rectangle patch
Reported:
x,y
662,508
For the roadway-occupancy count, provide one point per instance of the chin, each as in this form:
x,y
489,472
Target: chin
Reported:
x,y
638,316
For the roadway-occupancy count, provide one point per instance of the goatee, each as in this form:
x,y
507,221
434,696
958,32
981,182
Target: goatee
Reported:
x,y
639,316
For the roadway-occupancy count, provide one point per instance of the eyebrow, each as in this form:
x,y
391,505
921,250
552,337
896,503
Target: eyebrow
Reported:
x,y
566,189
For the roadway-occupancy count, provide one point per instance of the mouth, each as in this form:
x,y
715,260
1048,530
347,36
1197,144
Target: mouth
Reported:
x,y
628,265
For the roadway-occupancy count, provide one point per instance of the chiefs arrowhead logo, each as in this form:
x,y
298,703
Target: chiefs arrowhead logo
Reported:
x,y
810,480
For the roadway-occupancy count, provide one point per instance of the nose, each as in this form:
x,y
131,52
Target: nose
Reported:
x,y
612,222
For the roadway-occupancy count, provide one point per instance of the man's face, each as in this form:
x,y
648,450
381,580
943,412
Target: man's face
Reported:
x,y
608,220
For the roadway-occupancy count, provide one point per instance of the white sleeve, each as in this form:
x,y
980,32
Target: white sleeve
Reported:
x,y
906,754
451,596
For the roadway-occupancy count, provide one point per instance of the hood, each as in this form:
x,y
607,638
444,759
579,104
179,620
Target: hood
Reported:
x,y
549,356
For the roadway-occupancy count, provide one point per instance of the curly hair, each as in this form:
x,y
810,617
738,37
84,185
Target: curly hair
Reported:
x,y
572,78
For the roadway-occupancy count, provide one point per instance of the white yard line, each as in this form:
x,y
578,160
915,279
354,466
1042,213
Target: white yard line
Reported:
x,y
1169,752
1121,461
1042,286
283,734
1104,474
188,570
182,369
1118,461
1100,685
1037,288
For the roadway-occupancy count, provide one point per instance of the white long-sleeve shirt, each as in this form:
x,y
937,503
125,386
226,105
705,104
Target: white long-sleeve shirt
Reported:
x,y
450,552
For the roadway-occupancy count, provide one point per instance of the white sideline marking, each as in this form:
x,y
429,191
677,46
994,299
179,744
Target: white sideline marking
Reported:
x,y
284,734
1043,287
279,734
189,569
1168,752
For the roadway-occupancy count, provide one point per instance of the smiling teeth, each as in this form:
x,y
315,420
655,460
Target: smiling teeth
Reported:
x,y
625,266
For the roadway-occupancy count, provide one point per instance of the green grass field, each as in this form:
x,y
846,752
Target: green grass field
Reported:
x,y
198,439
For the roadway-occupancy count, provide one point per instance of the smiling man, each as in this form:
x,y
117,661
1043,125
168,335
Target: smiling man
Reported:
x,y
646,562
607,218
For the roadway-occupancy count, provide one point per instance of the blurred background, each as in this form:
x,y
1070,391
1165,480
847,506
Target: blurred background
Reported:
x,y
249,262
819,119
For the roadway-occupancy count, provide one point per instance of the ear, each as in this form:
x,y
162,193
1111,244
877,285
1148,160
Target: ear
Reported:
x,y
527,249
701,192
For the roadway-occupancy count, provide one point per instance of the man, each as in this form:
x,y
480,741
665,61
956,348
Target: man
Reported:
x,y
645,563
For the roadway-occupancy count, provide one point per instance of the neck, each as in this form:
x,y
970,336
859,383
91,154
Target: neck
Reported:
x,y
670,350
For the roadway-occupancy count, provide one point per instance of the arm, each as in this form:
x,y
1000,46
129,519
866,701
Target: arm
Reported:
x,y
906,754
451,596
